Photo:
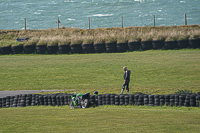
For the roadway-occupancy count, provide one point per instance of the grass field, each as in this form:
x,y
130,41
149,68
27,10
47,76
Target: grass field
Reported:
x,y
155,72
100,119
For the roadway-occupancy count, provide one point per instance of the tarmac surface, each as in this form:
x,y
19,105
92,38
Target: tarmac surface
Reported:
x,y
13,93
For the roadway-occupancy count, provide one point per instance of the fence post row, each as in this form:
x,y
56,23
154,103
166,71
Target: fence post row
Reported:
x,y
154,21
185,19
89,23
122,21
24,23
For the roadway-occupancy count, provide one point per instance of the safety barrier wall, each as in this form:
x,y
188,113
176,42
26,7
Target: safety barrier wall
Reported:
x,y
61,99
101,48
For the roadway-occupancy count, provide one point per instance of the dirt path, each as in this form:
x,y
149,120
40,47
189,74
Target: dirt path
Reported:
x,y
13,93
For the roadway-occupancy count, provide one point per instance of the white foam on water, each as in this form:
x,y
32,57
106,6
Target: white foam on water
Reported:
x,y
69,1
70,19
182,1
102,15
40,10
37,13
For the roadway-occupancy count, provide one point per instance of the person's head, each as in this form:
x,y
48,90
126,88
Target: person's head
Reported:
x,y
96,93
125,68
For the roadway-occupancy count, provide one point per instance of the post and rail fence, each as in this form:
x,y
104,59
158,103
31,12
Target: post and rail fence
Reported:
x,y
122,25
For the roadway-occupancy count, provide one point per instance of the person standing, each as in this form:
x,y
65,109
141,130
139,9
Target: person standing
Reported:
x,y
127,74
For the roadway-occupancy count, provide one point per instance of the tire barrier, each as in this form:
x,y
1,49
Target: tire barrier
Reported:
x,y
52,49
132,46
122,47
61,99
170,45
157,44
100,48
146,45
182,43
17,49
41,49
29,49
63,49
76,48
194,43
6,50
110,47
88,48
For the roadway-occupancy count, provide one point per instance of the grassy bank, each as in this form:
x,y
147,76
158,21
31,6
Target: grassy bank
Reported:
x,y
155,72
100,119
104,34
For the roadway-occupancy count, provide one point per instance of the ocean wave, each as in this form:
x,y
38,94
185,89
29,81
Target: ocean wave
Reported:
x,y
102,15
70,19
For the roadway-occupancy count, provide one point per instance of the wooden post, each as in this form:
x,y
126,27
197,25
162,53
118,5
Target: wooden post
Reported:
x,y
89,23
185,19
24,23
122,21
58,21
154,21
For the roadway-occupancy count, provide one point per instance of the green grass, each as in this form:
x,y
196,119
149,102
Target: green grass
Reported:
x,y
155,72
100,119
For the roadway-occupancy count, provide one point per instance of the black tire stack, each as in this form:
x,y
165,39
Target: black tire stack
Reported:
x,y
170,45
126,100
187,101
52,49
146,45
107,99
45,97
193,100
181,100
41,49
116,100
6,50
197,100
112,99
167,100
162,100
28,99
17,49
76,48
88,48
176,100
157,44
110,47
121,99
131,99
63,49
172,100
104,99
151,100
194,43
156,100
100,100
99,47
182,43
135,45
122,47
140,100
29,49
0,102
92,100
7,101
33,100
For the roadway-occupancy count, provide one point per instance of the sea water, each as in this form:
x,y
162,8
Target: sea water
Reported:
x,y
43,14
